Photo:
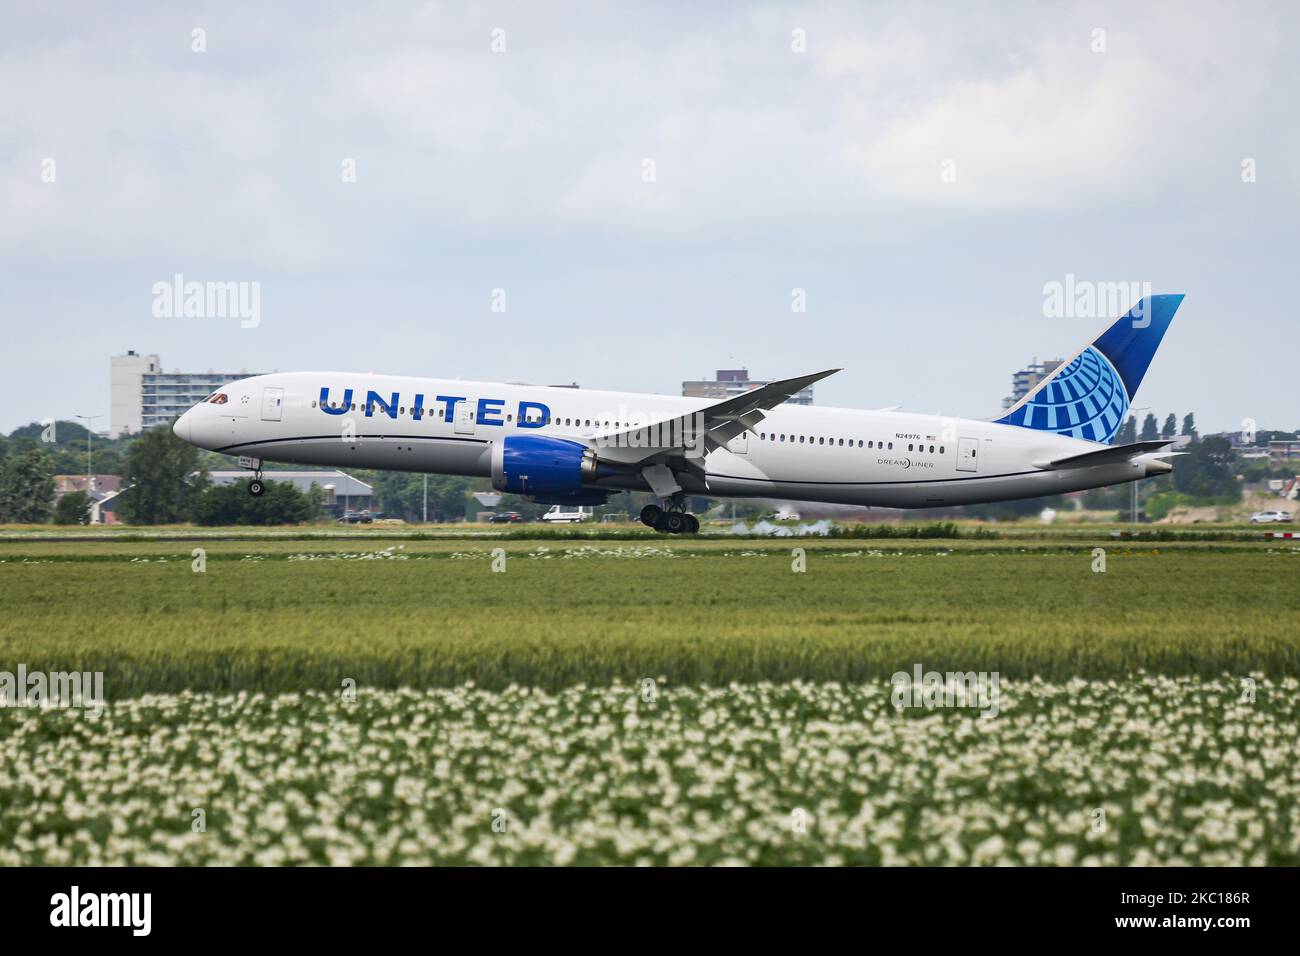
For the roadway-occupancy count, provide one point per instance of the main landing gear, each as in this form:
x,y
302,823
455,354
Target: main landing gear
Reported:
x,y
671,519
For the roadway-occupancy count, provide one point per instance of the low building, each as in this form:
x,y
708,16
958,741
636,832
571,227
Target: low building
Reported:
x,y
102,485
1280,451
104,509
730,382
102,491
342,491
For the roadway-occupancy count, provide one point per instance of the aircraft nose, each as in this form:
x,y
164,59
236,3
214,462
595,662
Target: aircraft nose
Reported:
x,y
182,427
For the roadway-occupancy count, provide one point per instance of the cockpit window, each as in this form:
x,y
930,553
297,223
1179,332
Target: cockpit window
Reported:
x,y
218,398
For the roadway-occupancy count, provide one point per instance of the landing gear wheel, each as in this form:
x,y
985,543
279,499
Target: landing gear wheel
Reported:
x,y
672,518
255,487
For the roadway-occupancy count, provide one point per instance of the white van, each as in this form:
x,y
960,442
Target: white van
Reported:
x,y
570,513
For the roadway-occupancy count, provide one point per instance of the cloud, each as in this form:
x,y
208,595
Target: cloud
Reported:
x,y
233,156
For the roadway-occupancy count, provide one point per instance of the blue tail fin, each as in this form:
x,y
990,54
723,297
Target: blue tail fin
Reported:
x,y
1089,396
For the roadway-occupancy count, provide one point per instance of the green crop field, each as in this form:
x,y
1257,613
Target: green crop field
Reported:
x,y
694,700
293,616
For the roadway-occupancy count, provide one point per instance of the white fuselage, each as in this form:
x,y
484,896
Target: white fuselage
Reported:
x,y
839,455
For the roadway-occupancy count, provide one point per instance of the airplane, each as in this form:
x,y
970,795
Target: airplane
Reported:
x,y
564,445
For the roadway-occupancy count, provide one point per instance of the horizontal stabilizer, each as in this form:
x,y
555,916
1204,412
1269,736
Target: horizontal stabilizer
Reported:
x,y
1108,456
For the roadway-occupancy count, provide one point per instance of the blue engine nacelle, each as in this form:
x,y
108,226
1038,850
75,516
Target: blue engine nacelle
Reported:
x,y
544,468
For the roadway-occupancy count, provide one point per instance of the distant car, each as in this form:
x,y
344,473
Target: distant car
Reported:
x,y
506,517
566,513
1270,517
356,517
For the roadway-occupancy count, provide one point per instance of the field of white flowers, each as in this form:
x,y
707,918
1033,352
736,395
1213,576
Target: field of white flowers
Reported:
x,y
1150,770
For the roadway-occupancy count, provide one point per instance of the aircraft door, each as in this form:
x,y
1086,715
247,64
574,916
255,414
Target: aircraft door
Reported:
x,y
967,449
464,421
272,404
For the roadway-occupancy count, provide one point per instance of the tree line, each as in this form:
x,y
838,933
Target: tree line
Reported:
x,y
167,483
168,480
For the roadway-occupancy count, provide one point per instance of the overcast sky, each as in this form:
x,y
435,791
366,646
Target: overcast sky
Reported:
x,y
921,171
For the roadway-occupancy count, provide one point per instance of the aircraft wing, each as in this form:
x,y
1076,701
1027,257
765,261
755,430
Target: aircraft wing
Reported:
x,y
693,434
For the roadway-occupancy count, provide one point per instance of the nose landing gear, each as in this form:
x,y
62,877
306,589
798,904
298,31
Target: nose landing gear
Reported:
x,y
255,485
671,519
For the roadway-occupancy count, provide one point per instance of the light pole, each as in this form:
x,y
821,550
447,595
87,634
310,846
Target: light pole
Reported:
x,y
90,461
426,499
1134,411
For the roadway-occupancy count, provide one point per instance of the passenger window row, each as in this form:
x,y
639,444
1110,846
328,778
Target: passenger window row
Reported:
x,y
531,418
763,436
847,442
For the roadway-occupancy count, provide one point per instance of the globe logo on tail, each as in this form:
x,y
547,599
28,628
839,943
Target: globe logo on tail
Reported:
x,y
1085,400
